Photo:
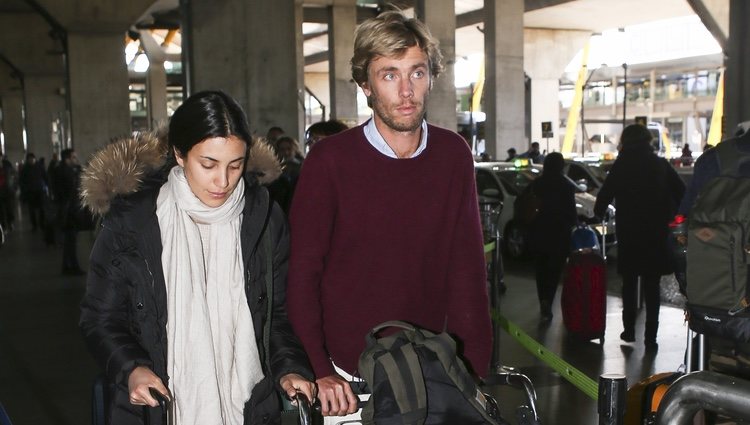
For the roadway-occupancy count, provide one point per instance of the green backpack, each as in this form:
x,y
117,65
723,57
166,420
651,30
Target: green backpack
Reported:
x,y
416,378
718,254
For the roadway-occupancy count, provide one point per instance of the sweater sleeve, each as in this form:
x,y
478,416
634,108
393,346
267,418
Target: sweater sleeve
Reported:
x,y
468,311
287,354
311,221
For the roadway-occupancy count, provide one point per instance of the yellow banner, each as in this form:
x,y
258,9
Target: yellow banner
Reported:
x,y
714,133
574,111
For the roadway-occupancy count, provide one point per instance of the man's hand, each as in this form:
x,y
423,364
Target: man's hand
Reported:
x,y
141,379
336,396
292,382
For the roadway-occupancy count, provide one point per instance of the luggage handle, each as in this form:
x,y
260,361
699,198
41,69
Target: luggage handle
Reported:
x,y
392,324
304,408
166,407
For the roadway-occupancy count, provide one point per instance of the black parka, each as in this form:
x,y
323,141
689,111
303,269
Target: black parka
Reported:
x,y
124,310
647,191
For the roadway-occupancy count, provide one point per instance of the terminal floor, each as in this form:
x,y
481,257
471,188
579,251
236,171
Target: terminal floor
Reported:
x,y
46,372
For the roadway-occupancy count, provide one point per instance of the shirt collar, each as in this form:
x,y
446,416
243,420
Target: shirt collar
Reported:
x,y
378,142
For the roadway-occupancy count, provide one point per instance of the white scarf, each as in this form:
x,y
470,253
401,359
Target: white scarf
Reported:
x,y
212,357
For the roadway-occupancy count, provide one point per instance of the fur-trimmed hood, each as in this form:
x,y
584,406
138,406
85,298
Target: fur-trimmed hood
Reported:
x,y
121,167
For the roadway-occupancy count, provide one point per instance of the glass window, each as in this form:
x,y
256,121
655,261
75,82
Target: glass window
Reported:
x,y
486,181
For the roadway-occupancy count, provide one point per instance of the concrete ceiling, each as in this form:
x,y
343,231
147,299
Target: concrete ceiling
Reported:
x,y
590,15
599,15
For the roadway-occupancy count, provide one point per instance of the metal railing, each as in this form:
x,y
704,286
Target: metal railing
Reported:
x,y
723,394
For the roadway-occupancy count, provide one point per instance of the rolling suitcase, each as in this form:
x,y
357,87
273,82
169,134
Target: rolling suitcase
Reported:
x,y
584,293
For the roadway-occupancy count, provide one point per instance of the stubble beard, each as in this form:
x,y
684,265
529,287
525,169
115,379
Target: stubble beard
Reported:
x,y
411,124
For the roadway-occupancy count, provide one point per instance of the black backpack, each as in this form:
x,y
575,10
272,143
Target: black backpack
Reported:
x,y
416,379
718,255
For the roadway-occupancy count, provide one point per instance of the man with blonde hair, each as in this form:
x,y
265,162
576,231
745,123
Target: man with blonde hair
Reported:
x,y
385,222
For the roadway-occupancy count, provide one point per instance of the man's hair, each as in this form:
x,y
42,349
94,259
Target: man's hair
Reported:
x,y
390,34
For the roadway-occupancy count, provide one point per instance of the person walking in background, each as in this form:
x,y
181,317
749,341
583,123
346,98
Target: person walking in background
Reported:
x,y
647,191
533,154
686,158
201,255
319,130
386,215
282,189
291,157
273,134
511,155
8,186
549,230
67,179
32,181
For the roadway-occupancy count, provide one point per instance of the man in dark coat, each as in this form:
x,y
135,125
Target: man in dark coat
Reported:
x,y
33,181
67,178
647,191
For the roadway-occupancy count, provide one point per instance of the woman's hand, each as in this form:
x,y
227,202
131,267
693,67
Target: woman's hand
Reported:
x,y
292,382
140,381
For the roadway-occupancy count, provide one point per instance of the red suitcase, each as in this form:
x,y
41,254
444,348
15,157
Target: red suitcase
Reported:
x,y
584,295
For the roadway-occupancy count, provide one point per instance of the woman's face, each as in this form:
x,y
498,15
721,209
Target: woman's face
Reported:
x,y
213,168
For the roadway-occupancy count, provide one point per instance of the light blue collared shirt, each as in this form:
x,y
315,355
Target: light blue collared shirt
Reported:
x,y
378,142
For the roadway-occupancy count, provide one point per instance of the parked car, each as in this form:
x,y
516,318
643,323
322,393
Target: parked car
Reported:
x,y
503,182
585,173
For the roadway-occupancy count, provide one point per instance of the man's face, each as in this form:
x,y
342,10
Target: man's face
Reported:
x,y
72,159
398,89
285,149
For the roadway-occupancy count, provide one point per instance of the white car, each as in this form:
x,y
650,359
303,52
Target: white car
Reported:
x,y
502,182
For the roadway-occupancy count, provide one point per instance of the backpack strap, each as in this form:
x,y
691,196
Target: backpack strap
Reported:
x,y
445,348
402,369
405,375
728,157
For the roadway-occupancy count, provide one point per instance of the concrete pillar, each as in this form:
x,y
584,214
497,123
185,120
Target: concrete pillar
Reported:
x,y
98,90
440,18
248,48
156,81
341,24
737,76
98,78
11,103
26,42
504,98
546,53
299,41
544,107
45,101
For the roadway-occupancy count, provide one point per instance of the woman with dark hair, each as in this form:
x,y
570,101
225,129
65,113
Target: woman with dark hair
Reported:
x,y
186,289
647,191
549,233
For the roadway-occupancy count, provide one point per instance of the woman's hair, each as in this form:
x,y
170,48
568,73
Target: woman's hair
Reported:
x,y
635,135
205,115
554,163
390,34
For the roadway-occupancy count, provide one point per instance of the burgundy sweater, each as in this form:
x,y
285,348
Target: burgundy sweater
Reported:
x,y
375,238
